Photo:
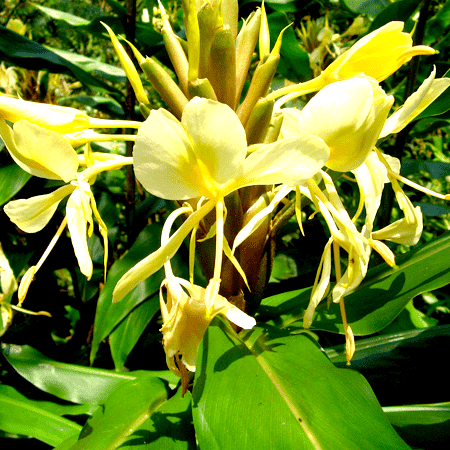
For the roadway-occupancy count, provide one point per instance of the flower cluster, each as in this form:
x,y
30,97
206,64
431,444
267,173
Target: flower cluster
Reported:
x,y
228,160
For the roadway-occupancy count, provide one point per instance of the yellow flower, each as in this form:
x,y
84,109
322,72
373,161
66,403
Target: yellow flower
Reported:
x,y
47,154
348,115
205,155
377,55
185,320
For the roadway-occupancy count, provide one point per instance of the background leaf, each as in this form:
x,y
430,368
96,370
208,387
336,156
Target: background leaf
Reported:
x,y
69,381
378,300
19,415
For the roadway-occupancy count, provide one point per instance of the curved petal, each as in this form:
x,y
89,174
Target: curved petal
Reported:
x,y
58,118
217,136
149,265
39,151
164,160
429,90
290,161
348,116
77,224
378,55
31,215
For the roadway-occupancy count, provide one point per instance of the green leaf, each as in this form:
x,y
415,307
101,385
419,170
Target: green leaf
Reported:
x,y
20,51
122,415
69,381
12,180
437,169
109,314
125,336
378,300
393,364
424,426
107,71
19,415
61,15
438,26
369,7
400,10
289,394
294,62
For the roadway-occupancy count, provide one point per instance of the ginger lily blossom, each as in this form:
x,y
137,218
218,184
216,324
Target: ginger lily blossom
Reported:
x,y
377,55
25,142
205,155
184,314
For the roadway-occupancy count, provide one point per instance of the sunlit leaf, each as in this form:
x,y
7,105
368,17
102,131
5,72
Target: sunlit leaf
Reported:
x,y
289,393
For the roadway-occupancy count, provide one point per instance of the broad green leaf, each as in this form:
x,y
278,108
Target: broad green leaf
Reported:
x,y
61,15
19,415
104,104
122,415
107,71
400,10
69,381
438,26
294,62
12,180
393,364
378,300
437,169
168,428
109,314
20,51
125,336
432,210
288,393
368,7
422,426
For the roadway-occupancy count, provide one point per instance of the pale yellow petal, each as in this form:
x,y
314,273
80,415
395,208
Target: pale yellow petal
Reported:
x,y
164,160
217,136
39,151
31,215
290,161
58,118
77,224
429,91
149,265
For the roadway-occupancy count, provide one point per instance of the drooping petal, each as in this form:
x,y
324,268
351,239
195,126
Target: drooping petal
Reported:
x,y
77,224
164,160
187,318
290,161
429,90
39,151
371,177
149,265
217,136
31,215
